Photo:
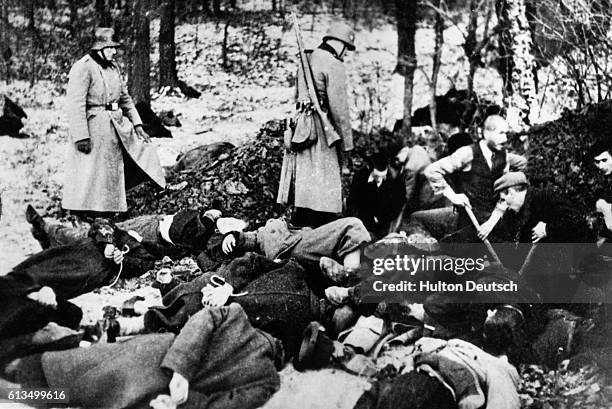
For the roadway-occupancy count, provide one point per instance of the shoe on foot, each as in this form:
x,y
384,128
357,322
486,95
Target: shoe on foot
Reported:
x,y
333,270
38,226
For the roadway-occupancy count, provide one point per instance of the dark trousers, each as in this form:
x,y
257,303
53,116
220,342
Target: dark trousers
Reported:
x,y
303,217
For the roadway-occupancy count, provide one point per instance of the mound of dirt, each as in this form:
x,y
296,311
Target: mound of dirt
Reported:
x,y
245,183
244,179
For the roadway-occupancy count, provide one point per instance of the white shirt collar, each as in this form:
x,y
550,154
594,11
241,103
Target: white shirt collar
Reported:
x,y
381,179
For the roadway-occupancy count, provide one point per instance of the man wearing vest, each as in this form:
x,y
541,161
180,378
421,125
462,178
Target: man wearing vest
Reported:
x,y
477,166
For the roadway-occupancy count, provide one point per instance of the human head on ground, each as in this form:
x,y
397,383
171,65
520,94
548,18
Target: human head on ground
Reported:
x,y
502,329
494,132
341,37
104,44
512,189
601,152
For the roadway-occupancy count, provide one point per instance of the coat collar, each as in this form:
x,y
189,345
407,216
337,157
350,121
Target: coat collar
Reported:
x,y
101,62
330,49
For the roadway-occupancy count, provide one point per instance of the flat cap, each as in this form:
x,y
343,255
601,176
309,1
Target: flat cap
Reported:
x,y
510,179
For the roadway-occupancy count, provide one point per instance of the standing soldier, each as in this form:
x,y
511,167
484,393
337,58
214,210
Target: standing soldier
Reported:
x,y
318,183
110,152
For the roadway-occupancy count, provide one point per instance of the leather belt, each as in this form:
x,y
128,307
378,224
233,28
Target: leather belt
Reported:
x,y
112,106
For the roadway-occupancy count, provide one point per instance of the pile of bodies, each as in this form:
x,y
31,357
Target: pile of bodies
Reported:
x,y
278,294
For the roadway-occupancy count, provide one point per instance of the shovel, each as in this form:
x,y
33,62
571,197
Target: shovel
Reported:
x,y
485,240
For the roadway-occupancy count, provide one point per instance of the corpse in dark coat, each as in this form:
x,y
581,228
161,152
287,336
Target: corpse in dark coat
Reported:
x,y
78,268
227,362
278,300
20,317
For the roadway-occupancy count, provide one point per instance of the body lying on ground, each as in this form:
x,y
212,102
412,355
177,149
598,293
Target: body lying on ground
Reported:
x,y
218,360
87,263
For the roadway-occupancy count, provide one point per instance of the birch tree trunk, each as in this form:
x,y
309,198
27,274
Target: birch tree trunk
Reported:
x,y
517,61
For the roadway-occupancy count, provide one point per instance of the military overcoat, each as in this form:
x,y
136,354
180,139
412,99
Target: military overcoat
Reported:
x,y
97,181
316,172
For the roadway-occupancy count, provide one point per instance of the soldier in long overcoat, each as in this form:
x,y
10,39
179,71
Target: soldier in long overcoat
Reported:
x,y
109,152
316,170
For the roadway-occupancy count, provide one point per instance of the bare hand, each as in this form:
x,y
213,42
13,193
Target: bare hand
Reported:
x,y
162,402
459,199
142,134
603,206
45,296
216,296
337,295
109,250
117,256
485,229
179,389
538,232
228,244
213,214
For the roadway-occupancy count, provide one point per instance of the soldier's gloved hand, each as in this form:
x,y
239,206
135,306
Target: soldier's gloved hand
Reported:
x,y
142,134
84,145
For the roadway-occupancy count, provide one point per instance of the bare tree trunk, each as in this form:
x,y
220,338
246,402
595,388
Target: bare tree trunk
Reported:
x,y
518,62
437,62
469,46
139,81
33,40
167,48
5,45
74,17
224,63
273,5
103,13
406,58
216,5
206,6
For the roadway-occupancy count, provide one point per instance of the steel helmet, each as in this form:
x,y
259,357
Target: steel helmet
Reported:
x,y
341,32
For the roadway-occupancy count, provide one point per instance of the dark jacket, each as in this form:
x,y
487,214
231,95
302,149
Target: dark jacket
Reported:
x,y
278,299
227,362
563,223
376,206
20,317
78,268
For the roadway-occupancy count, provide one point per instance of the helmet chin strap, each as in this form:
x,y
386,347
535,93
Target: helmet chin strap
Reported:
x,y
341,54
101,54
